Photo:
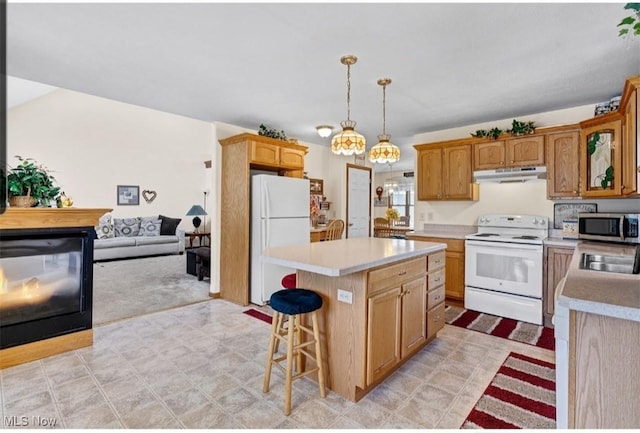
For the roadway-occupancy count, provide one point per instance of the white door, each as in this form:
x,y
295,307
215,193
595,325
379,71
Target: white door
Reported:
x,y
358,201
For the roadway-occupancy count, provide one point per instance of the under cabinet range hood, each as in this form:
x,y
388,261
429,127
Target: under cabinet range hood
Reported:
x,y
510,175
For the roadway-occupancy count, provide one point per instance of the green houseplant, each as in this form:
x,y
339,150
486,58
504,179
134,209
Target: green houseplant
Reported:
x,y
30,184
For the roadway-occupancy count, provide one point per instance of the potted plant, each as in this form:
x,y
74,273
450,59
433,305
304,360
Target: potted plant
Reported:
x,y
30,184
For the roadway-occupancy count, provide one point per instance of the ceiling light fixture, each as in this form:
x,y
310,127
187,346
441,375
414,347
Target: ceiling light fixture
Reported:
x,y
384,152
348,141
324,130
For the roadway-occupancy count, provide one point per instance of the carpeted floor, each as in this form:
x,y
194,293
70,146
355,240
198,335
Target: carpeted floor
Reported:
x,y
501,327
520,396
132,287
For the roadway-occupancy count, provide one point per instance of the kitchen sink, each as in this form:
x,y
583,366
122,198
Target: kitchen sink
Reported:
x,y
618,264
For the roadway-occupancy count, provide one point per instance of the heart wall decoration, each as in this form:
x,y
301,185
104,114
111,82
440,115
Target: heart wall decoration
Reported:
x,y
149,196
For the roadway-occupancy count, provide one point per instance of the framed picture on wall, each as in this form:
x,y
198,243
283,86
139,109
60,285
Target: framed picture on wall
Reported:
x,y
381,202
316,186
128,195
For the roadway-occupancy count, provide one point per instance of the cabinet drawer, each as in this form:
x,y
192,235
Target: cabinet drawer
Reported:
x,y
436,261
436,279
435,320
396,274
435,297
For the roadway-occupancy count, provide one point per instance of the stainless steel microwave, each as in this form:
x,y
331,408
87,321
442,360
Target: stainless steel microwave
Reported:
x,y
609,227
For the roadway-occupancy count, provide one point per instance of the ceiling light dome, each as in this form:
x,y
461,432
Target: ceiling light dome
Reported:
x,y
348,141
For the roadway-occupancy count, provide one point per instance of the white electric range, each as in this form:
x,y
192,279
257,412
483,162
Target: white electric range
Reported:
x,y
504,266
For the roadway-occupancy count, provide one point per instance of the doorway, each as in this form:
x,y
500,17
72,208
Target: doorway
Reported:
x,y
358,201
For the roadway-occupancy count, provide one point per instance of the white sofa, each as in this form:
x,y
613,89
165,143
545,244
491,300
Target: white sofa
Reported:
x,y
119,238
137,246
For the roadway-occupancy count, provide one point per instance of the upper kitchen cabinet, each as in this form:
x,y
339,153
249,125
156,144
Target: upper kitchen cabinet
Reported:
x,y
526,151
631,138
601,156
609,148
240,154
444,171
563,162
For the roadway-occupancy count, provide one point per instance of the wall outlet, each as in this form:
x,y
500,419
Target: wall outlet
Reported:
x,y
345,296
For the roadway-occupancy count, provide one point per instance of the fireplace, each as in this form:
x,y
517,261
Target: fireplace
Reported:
x,y
46,281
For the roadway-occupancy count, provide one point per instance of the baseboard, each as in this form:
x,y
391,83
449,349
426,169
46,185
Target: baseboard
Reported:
x,y
44,348
215,295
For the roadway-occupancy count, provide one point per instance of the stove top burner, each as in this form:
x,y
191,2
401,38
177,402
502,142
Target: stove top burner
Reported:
x,y
485,235
526,237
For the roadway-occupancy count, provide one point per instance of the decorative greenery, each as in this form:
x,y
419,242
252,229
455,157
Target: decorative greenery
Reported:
x,y
608,177
491,133
592,143
522,128
32,179
630,25
272,133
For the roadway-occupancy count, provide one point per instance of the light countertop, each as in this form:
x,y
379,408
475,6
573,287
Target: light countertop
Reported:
x,y
449,231
560,242
604,293
346,256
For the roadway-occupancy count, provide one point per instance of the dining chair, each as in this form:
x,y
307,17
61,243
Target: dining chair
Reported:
x,y
381,222
403,221
334,230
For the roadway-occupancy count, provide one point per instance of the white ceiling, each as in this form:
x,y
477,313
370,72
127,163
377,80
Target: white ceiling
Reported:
x,y
452,64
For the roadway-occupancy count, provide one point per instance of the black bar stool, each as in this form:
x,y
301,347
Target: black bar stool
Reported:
x,y
294,303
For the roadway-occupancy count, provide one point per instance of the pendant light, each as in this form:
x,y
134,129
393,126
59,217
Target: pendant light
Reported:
x,y
348,141
384,152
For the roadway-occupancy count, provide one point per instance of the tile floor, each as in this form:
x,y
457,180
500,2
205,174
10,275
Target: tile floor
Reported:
x,y
202,365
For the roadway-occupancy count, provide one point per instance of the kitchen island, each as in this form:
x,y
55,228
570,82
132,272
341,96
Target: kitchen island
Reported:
x,y
383,300
597,328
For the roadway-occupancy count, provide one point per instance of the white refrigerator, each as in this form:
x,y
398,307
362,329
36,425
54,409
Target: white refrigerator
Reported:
x,y
279,217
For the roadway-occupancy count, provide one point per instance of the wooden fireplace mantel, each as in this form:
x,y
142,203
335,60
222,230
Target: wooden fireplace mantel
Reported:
x,y
36,218
46,217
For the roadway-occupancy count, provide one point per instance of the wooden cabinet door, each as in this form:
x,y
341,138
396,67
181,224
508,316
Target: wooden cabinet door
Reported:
x,y
601,153
489,155
383,333
630,146
563,164
525,151
430,174
558,260
454,275
291,158
265,153
414,319
457,175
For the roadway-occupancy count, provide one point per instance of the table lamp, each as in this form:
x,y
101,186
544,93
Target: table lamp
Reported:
x,y
196,210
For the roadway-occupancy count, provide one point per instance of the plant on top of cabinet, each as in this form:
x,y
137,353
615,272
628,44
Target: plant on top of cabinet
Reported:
x,y
522,128
272,133
491,133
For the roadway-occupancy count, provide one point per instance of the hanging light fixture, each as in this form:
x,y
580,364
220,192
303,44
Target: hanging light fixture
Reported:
x,y
348,141
384,152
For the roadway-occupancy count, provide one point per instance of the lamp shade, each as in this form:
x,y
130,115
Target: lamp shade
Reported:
x,y
384,152
348,141
324,130
196,209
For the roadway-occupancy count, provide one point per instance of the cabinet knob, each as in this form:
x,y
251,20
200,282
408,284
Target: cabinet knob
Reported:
x,y
501,162
575,192
402,273
512,161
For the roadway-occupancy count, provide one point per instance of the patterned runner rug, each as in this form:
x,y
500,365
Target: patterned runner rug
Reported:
x,y
520,396
501,327
258,315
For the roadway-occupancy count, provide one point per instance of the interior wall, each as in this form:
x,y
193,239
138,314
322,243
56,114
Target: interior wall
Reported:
x,y
93,144
523,198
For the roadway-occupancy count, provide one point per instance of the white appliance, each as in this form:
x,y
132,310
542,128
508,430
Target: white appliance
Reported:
x,y
279,217
504,266
510,175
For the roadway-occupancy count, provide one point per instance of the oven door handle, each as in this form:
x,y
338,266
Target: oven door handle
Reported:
x,y
621,228
504,245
